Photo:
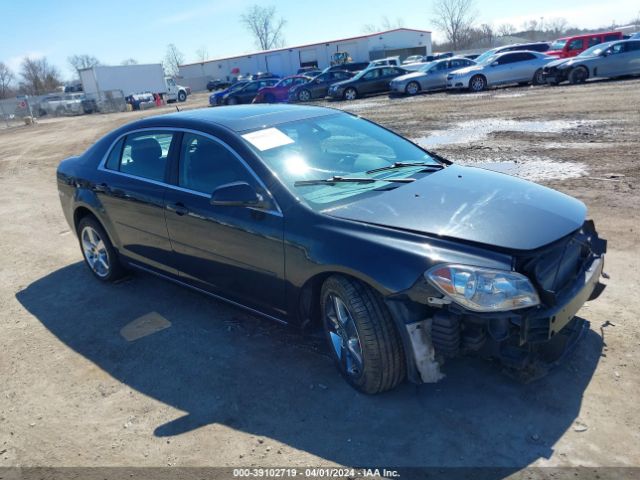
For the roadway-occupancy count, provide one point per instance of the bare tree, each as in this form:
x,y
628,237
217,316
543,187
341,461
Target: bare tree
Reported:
x,y
6,79
506,29
455,19
530,28
557,26
266,29
79,62
487,33
385,24
202,53
38,77
172,60
129,61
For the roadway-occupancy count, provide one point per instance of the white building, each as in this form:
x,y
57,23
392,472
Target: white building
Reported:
x,y
287,61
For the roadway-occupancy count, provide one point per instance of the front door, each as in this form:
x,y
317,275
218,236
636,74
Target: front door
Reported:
x,y
236,252
131,189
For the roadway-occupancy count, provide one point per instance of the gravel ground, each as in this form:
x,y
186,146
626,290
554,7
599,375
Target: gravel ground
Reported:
x,y
213,386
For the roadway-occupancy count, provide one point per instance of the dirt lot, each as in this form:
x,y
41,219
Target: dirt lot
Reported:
x,y
221,388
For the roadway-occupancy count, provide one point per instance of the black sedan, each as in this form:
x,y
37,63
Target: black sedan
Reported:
x,y
321,219
247,92
371,80
318,86
217,84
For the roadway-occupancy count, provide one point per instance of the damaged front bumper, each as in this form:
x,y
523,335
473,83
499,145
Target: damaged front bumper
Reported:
x,y
527,342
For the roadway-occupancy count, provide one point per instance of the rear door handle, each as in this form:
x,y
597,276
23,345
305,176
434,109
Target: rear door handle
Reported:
x,y
178,208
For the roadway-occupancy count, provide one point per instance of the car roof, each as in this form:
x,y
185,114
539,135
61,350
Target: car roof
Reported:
x,y
238,117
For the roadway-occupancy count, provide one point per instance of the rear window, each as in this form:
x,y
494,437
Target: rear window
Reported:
x,y
575,44
612,36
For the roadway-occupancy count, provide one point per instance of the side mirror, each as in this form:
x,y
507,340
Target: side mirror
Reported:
x,y
238,194
606,53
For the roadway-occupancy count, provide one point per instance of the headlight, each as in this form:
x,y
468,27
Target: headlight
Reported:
x,y
483,289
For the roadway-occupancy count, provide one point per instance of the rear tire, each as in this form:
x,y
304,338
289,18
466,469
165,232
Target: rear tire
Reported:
x,y
304,95
98,251
368,328
578,75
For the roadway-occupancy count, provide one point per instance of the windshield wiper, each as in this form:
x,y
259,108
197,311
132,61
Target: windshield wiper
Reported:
x,y
393,166
336,179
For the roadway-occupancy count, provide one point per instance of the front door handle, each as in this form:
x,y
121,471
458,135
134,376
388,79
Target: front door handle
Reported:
x,y
178,208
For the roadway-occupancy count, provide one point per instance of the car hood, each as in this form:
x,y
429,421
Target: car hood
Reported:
x,y
553,53
466,70
474,205
409,76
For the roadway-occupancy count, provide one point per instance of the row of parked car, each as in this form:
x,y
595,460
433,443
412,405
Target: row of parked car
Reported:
x,y
534,63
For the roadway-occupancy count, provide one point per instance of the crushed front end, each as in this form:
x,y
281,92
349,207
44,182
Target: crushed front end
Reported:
x,y
527,341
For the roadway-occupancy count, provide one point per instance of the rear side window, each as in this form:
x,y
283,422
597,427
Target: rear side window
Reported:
x,y
145,155
594,41
633,46
113,161
206,165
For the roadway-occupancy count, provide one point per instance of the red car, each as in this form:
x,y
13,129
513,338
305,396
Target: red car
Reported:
x,y
571,46
280,91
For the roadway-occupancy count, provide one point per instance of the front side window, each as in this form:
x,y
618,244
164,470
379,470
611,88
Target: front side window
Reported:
x,y
617,48
371,75
144,155
206,165
335,145
575,44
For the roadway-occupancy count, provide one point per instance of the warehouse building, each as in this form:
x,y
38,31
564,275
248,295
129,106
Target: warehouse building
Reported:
x,y
286,61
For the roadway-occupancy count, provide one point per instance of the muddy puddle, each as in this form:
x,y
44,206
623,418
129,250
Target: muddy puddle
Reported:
x,y
536,170
475,130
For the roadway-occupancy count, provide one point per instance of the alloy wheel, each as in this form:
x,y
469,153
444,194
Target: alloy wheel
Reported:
x,y
95,251
477,84
343,335
412,88
350,94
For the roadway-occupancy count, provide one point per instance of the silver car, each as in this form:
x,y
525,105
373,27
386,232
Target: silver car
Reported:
x,y
612,59
431,76
503,68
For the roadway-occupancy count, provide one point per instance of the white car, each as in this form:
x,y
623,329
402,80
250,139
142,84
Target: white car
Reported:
x,y
393,61
503,68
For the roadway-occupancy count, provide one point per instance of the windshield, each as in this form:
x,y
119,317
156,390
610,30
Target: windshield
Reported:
x,y
336,145
595,50
558,44
485,55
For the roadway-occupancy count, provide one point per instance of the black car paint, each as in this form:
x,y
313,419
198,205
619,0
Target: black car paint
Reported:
x,y
319,85
273,260
246,93
364,86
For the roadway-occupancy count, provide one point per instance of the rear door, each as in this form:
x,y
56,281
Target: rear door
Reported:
x,y
633,60
524,66
248,92
236,252
132,190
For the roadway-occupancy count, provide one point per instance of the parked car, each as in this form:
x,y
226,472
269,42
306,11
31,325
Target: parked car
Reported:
x,y
247,92
413,59
352,67
217,84
317,87
394,61
635,36
215,99
371,80
280,91
314,217
612,59
309,71
432,76
263,75
63,104
533,47
501,69
571,46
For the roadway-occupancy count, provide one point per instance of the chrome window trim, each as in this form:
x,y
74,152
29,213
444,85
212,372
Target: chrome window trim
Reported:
x,y
102,168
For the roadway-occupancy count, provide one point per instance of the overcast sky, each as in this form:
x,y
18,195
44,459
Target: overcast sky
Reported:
x,y
115,30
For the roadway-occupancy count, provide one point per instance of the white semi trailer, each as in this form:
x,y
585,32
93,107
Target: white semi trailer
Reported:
x,y
131,80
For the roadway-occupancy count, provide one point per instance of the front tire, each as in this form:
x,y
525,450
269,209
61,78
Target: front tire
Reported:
x,y
362,337
578,75
412,88
538,78
182,96
304,95
98,251
350,94
477,83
